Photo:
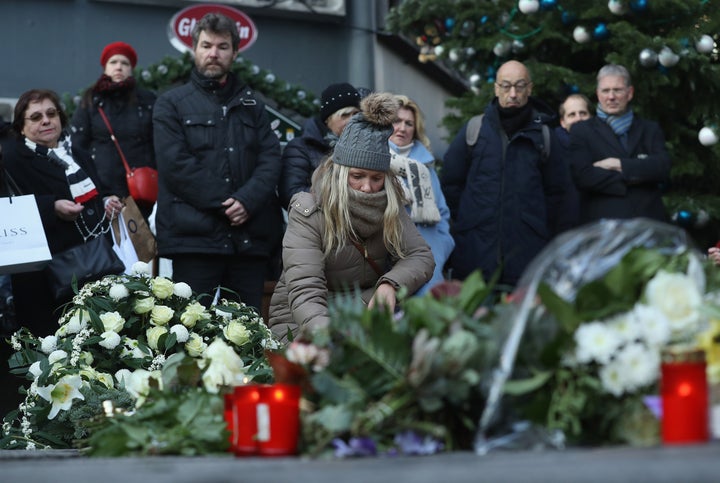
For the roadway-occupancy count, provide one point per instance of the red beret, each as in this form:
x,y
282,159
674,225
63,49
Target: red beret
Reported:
x,y
118,48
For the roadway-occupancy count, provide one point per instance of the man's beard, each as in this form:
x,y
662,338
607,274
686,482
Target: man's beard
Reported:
x,y
213,71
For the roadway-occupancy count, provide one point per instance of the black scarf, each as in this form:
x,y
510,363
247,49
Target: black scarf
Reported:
x,y
513,119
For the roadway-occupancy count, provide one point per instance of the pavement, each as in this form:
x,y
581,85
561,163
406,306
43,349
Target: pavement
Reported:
x,y
672,464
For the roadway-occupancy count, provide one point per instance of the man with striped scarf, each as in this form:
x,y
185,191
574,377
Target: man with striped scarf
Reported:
x,y
618,160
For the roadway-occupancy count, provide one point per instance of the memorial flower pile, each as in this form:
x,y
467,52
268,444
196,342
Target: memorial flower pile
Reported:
x,y
112,343
589,361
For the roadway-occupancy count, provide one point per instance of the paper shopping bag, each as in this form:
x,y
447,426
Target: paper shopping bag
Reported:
x,y
137,229
23,245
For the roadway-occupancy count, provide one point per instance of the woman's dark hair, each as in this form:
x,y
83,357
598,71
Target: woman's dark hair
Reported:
x,y
36,95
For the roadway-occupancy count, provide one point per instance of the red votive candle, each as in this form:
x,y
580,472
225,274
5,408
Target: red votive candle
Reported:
x,y
228,414
685,398
278,420
244,421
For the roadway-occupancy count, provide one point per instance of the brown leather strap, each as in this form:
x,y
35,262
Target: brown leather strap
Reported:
x,y
112,136
372,263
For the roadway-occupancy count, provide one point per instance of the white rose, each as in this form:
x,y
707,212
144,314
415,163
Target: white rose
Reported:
x,y
153,335
118,292
161,314
195,345
182,290
56,355
112,321
48,344
193,312
225,368
161,287
144,305
110,340
77,322
141,268
236,333
35,370
679,298
181,333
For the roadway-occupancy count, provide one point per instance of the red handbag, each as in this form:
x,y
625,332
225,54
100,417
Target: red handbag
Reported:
x,y
142,182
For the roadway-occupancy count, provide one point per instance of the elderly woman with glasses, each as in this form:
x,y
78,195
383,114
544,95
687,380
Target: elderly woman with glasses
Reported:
x,y
73,206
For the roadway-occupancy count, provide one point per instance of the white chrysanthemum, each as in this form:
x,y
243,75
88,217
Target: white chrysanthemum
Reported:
x,y
679,298
118,292
655,326
56,355
596,341
141,268
110,340
627,327
640,365
48,344
112,321
181,333
612,379
61,394
182,290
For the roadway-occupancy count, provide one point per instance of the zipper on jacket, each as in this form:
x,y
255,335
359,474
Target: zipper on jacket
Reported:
x,y
224,110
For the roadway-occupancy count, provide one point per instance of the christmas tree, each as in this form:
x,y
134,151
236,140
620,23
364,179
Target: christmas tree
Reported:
x,y
669,46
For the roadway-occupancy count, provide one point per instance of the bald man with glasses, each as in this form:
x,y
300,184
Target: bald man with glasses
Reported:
x,y
618,160
507,190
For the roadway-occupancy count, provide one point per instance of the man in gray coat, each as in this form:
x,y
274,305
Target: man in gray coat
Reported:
x,y
218,215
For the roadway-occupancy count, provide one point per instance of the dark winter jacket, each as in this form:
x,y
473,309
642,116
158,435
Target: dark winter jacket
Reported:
x,y
130,115
505,196
634,192
300,158
208,151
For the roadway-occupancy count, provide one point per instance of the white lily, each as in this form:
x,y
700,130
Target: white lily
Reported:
x,y
61,394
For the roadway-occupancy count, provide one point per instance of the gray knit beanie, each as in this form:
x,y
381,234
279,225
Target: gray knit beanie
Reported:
x,y
364,141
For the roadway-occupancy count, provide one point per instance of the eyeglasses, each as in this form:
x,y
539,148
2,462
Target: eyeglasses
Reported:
x,y
520,87
38,116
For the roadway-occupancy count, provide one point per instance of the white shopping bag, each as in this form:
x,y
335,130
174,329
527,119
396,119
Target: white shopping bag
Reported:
x,y
23,245
123,246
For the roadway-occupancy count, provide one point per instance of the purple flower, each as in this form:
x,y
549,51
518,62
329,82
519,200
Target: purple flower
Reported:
x,y
411,443
356,447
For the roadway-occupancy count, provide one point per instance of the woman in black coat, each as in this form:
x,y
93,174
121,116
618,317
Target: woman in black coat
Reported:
x,y
73,207
129,111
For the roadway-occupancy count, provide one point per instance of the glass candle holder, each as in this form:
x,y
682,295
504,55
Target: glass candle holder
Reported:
x,y
244,420
278,420
685,397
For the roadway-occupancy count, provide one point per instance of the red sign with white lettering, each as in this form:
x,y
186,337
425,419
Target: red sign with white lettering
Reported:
x,y
183,22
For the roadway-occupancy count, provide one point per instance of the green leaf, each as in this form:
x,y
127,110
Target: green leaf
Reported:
x,y
519,387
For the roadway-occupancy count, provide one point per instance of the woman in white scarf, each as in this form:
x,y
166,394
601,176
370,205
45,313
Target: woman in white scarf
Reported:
x,y
413,163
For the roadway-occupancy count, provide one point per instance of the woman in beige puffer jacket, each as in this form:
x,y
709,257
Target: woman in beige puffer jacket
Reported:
x,y
352,232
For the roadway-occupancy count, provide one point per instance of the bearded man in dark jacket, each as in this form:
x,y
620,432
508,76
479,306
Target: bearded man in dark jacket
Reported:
x,y
218,158
505,192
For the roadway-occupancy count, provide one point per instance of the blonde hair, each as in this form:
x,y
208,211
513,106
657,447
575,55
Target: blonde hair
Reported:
x,y
407,103
341,112
331,189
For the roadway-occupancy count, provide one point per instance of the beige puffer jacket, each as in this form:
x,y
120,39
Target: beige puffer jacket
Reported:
x,y
300,300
